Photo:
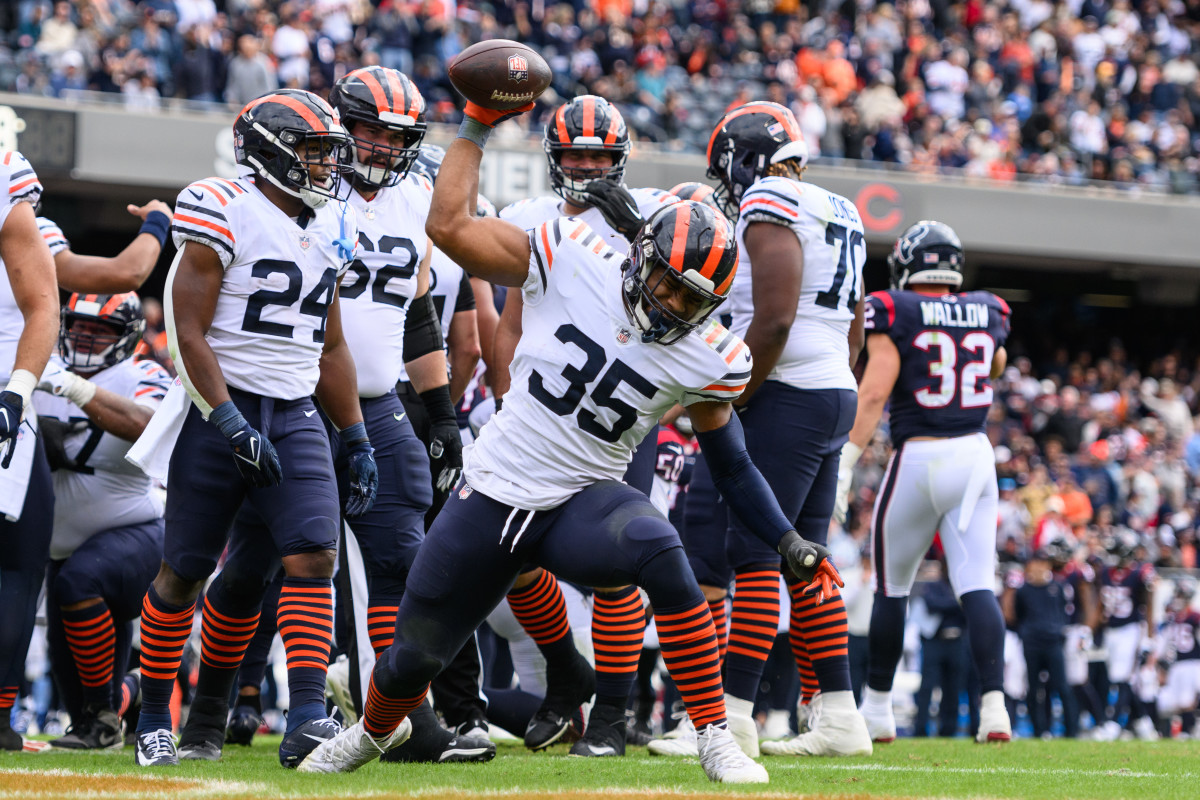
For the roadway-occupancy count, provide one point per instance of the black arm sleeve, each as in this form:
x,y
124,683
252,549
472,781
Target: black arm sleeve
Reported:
x,y
422,331
740,482
466,296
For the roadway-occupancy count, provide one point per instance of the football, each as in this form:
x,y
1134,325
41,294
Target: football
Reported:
x,y
499,74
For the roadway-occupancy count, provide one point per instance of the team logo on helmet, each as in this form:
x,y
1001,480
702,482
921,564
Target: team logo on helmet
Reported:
x,y
518,68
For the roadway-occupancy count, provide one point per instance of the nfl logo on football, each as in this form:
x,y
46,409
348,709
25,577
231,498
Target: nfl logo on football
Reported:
x,y
305,241
518,68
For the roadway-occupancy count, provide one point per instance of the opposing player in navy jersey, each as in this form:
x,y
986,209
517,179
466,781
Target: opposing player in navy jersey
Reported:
x,y
29,308
1126,594
95,401
1181,650
932,354
605,352
797,301
587,148
255,332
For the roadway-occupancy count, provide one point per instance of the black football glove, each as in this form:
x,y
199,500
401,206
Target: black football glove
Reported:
x,y
445,441
810,563
11,407
617,206
253,453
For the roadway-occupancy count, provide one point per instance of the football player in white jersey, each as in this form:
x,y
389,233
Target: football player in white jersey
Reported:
x,y
607,351
255,331
29,308
587,146
108,518
797,302
124,272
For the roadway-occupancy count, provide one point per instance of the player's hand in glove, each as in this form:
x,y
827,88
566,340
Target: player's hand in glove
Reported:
x,y
253,453
491,117
850,455
445,442
11,407
364,473
811,564
617,206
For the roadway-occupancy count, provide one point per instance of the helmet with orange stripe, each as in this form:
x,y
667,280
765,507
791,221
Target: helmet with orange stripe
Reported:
x,y
295,140
100,330
589,124
385,114
680,267
695,190
746,143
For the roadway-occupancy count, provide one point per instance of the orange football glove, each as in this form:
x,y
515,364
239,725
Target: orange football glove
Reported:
x,y
491,117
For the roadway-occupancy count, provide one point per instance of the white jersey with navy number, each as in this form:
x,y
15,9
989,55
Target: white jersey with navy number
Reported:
x,y
18,184
382,281
52,235
817,353
585,389
533,212
101,490
269,327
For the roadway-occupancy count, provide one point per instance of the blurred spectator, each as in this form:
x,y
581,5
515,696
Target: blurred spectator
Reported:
x,y
250,73
58,33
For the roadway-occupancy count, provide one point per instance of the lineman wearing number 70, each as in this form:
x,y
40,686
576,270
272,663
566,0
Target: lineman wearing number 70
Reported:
x,y
932,351
605,351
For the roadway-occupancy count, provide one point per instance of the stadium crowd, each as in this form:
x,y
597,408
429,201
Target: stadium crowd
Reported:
x,y
1065,93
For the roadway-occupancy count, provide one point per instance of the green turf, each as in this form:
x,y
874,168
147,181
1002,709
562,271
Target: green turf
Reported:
x,y
908,768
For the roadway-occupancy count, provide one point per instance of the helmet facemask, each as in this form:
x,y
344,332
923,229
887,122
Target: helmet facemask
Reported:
x,y
89,342
297,154
645,270
400,159
570,183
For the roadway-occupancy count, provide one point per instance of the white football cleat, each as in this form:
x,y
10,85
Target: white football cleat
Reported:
x,y
680,741
723,761
352,748
994,724
843,732
337,687
876,711
740,716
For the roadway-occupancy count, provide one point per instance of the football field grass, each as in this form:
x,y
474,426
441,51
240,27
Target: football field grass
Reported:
x,y
908,768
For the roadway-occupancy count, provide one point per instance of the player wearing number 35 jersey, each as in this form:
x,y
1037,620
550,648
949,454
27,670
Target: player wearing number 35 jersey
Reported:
x,y
609,344
933,352
254,328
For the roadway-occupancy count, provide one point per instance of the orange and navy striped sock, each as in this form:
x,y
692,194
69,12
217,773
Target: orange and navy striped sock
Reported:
x,y
92,638
824,631
225,633
381,622
752,630
165,630
689,649
542,612
808,678
306,628
382,715
618,627
130,685
8,698
720,615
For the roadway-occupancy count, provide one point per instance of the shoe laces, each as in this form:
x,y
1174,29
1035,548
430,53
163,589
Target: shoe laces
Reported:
x,y
720,748
159,743
332,724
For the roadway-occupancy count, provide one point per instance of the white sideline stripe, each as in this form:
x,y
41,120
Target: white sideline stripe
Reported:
x,y
809,764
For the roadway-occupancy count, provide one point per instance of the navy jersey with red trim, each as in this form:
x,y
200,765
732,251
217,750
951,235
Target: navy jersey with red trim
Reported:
x,y
1075,576
1125,592
946,345
1183,634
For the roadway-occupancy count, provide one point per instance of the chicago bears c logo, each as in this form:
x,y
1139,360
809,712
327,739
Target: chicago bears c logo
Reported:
x,y
518,68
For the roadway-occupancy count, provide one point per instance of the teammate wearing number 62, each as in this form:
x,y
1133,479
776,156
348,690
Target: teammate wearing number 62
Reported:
x,y
932,351
608,345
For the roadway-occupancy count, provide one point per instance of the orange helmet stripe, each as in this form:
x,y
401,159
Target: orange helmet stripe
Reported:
x,y
589,116
400,93
720,239
374,86
614,125
683,220
560,124
783,117
113,304
295,105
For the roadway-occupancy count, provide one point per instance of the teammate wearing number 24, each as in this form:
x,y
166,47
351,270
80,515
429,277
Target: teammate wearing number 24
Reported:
x,y
932,351
604,353
255,331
